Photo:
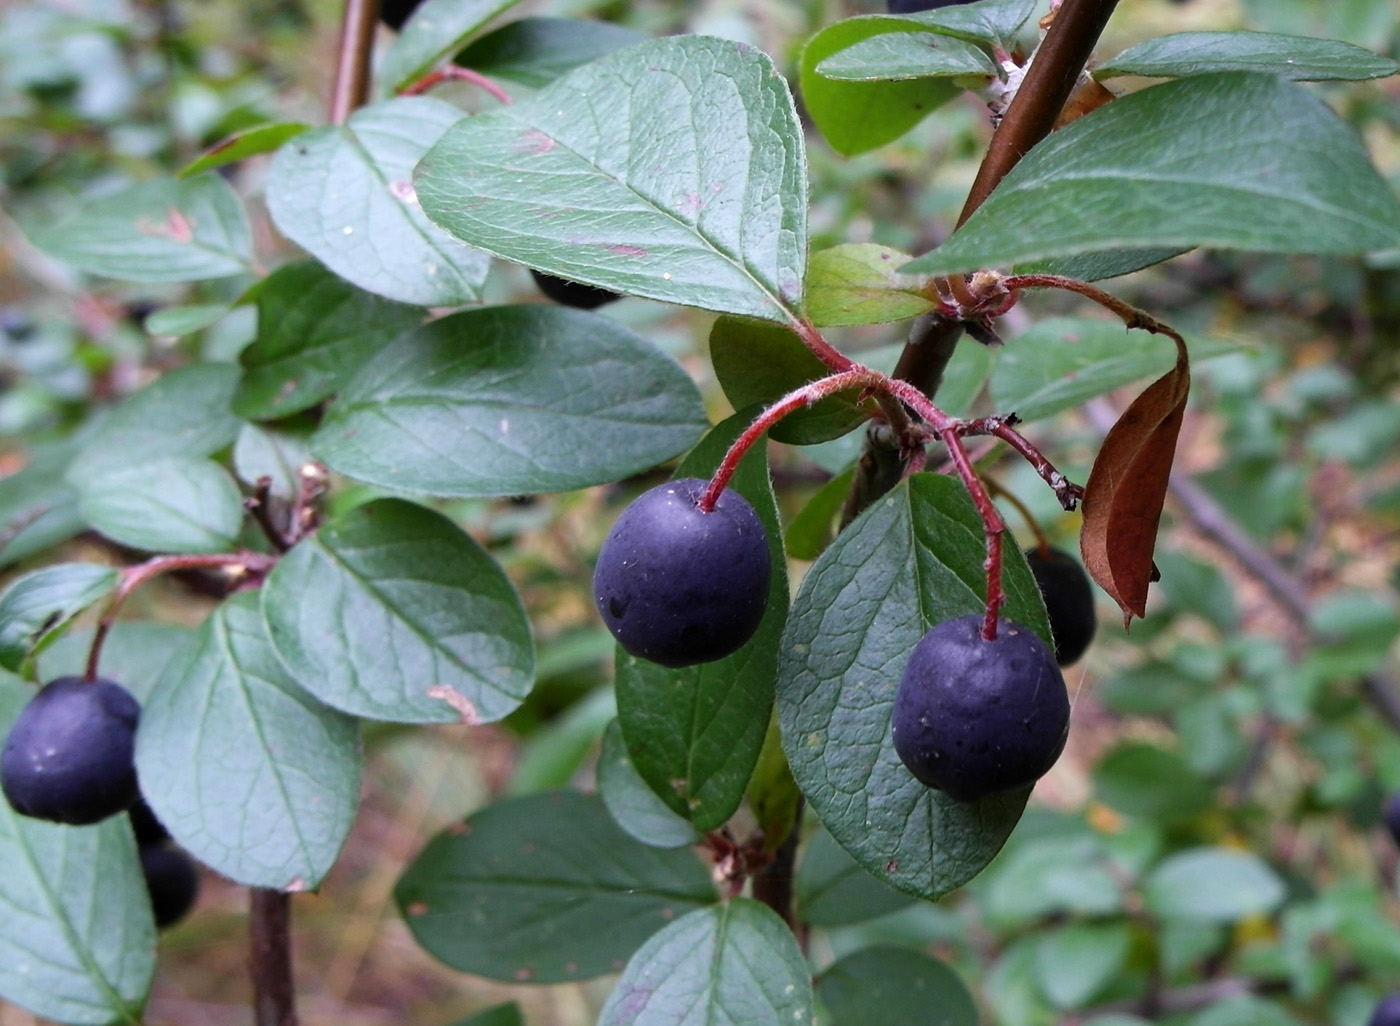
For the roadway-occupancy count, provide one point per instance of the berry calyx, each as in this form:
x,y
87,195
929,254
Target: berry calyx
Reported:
x,y
679,586
173,883
69,757
974,718
573,293
1069,601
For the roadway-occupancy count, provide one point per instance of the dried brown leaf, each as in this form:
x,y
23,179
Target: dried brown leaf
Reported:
x,y
1127,486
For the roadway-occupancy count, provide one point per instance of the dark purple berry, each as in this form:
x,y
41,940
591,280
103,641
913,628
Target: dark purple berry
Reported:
x,y
1387,1013
915,6
1391,815
1069,601
69,756
173,883
149,830
573,293
678,586
974,718
395,12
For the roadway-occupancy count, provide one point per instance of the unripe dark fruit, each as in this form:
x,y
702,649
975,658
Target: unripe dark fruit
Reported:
x,y
173,883
678,586
974,718
395,12
915,6
1391,815
1069,601
69,757
149,830
573,293
1387,1013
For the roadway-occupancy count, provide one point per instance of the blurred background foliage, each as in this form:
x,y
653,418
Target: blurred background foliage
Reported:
x,y
1210,851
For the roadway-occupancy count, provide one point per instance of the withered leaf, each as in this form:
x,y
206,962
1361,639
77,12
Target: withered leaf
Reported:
x,y
1127,486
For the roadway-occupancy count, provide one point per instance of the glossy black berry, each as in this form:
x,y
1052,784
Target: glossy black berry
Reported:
x,y
395,12
1069,601
149,830
915,6
69,755
573,293
974,718
1387,1013
678,586
173,882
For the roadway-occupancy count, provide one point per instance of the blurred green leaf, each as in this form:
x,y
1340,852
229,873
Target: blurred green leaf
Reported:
x,y
545,888
1076,961
1052,876
250,142
488,402
158,231
1289,176
833,890
536,51
912,560
697,196
508,1014
1295,57
734,963
551,756
1141,779
40,603
632,802
177,504
1217,885
811,530
434,30
391,611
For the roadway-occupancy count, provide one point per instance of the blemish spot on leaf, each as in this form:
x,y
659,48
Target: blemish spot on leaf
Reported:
x,y
668,913
529,848
418,908
892,866
534,142
403,189
464,705
630,251
524,974
296,885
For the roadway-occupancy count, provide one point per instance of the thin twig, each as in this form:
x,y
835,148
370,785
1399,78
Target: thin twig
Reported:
x,y
270,958
352,64
456,73
773,885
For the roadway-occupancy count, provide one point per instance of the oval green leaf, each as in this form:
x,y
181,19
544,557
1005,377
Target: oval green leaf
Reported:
x,y
1153,169
1215,885
250,773
1300,58
511,400
248,143
889,986
343,193
673,170
912,560
543,889
833,890
35,608
632,803
393,612
860,283
734,963
169,505
897,56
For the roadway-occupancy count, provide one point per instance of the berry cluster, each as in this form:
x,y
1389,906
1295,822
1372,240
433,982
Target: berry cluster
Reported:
x,y
70,758
681,581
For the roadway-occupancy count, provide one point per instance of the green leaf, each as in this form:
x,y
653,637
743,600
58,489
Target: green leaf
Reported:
x,y
251,774
632,803
38,508
994,22
508,1014
1073,963
695,733
1217,885
1052,876
757,363
183,413
536,51
158,231
343,193
832,889
434,30
889,986
35,608
276,454
552,755
735,963
772,795
179,321
170,505
315,330
811,530
912,560
1300,58
511,400
393,612
543,889
77,943
1110,263
897,56
855,117
250,142
1143,780
860,284
1062,362
1154,169
672,170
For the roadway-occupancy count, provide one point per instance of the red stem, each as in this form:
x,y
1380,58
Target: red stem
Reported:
x,y
455,73
251,563
1065,490
856,377
821,348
